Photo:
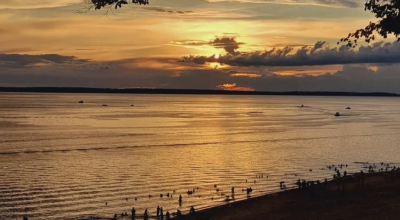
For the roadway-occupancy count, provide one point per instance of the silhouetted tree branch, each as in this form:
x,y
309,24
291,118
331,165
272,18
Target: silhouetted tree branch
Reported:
x,y
388,13
98,4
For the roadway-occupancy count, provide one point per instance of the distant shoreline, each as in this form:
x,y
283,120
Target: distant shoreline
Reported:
x,y
183,91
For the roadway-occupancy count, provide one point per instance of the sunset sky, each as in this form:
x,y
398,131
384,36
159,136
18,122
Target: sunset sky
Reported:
x,y
263,45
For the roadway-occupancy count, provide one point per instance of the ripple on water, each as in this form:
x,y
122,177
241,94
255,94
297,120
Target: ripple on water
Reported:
x,y
68,161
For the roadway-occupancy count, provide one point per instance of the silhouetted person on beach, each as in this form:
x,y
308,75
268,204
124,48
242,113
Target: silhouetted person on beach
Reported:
x,y
298,183
133,213
249,190
145,215
371,169
303,184
233,190
161,213
115,216
167,215
282,185
192,210
180,200
178,213
158,211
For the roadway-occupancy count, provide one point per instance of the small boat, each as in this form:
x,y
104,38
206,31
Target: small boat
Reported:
x,y
132,105
337,114
80,102
104,105
348,108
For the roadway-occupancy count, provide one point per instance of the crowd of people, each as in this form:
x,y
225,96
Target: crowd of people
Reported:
x,y
340,178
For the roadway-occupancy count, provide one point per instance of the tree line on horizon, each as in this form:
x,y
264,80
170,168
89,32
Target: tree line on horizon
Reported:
x,y
186,91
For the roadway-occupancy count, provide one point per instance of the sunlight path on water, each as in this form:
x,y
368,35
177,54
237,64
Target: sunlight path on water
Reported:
x,y
60,159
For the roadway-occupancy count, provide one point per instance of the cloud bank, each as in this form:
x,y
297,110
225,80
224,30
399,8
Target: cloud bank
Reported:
x,y
23,4
335,3
68,71
229,44
23,61
319,54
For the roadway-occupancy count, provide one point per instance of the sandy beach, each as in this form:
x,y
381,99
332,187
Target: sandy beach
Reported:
x,y
378,198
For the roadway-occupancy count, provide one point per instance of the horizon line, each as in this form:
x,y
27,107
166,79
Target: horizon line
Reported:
x,y
144,90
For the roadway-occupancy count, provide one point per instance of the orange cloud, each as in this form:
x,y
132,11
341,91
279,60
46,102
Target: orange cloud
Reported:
x,y
246,75
234,87
309,70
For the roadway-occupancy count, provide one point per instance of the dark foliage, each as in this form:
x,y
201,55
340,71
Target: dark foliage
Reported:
x,y
388,14
98,4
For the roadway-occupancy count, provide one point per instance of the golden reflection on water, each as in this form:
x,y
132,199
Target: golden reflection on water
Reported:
x,y
62,159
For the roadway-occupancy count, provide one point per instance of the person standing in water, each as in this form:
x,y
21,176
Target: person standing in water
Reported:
x,y
180,200
145,215
133,213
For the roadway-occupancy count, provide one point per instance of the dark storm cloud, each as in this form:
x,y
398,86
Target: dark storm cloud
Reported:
x,y
22,60
319,54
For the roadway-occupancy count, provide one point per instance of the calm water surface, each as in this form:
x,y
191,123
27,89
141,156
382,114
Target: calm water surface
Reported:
x,y
61,160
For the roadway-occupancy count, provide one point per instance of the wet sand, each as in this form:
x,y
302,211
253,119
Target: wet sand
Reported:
x,y
378,198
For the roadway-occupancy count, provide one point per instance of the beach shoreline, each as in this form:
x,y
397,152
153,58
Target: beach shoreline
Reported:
x,y
378,198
